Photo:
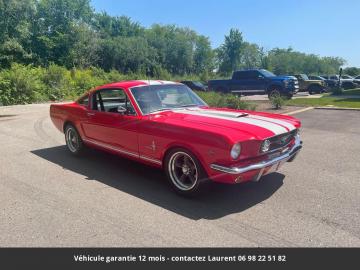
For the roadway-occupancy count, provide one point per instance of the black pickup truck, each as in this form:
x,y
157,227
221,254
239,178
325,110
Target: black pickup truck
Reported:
x,y
256,82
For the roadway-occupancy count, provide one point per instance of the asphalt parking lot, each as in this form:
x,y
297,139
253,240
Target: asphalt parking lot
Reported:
x,y
51,199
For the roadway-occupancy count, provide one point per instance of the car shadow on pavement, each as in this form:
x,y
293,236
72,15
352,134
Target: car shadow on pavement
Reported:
x,y
213,201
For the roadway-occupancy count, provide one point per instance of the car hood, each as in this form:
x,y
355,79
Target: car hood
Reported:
x,y
314,81
235,124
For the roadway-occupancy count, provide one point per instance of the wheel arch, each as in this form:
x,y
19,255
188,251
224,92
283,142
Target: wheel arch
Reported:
x,y
274,86
68,122
186,147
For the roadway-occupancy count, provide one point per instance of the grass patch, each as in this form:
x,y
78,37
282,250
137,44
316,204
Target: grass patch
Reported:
x,y
326,101
352,92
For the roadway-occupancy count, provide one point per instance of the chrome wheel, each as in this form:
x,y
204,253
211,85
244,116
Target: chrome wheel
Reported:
x,y
72,139
183,171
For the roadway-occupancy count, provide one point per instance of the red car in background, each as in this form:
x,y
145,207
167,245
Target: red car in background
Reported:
x,y
166,125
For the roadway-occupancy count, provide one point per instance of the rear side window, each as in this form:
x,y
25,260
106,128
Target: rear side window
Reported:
x,y
84,101
241,75
254,75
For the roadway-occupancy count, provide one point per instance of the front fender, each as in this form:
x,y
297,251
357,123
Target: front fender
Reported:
x,y
275,85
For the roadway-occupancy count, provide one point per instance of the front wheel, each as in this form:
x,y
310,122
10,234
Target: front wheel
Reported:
x,y
73,140
274,93
184,171
315,89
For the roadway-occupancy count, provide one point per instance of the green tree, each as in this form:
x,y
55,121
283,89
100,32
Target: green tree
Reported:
x,y
251,56
15,31
203,56
55,26
85,51
352,71
123,26
230,53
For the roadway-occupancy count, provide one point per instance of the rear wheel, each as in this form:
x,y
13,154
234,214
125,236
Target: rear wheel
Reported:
x,y
315,89
184,171
73,140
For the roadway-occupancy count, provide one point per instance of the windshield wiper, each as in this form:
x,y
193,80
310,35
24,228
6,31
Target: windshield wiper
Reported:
x,y
188,105
162,109
174,108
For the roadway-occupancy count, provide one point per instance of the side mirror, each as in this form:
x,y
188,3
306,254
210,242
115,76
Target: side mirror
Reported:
x,y
121,109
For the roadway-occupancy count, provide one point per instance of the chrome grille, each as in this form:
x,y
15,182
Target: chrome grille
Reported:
x,y
281,140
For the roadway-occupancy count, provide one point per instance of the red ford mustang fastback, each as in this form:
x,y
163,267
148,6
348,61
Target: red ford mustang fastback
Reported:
x,y
166,125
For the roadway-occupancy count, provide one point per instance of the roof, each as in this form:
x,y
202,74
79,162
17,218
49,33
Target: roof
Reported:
x,y
134,83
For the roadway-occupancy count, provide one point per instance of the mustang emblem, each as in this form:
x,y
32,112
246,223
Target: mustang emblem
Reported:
x,y
152,146
284,139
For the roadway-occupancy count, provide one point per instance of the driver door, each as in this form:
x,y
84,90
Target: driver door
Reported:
x,y
109,128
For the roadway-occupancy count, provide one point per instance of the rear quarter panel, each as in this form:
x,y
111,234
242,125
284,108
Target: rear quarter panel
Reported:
x,y
67,113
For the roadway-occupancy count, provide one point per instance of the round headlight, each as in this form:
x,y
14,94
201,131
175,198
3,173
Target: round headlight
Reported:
x,y
235,151
265,146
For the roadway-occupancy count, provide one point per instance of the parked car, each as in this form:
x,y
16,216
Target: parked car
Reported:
x,y
329,83
195,85
347,77
331,80
352,79
345,83
308,85
166,125
357,80
256,81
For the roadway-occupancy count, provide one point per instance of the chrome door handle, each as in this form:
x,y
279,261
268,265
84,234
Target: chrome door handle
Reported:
x,y
90,114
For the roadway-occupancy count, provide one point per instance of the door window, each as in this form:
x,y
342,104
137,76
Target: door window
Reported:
x,y
109,100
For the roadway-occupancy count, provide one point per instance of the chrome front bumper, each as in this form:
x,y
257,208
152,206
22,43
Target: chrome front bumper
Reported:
x,y
288,156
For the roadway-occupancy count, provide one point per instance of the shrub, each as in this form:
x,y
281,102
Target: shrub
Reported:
x,y
25,84
214,99
57,81
20,85
83,80
277,102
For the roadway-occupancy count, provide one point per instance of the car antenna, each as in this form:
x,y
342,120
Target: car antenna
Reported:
x,y
148,77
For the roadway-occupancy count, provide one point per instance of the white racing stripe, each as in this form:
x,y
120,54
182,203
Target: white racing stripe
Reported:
x,y
157,82
231,116
150,82
289,126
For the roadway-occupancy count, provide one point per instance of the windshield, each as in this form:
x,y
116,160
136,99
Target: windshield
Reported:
x,y
267,73
304,77
199,84
164,97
